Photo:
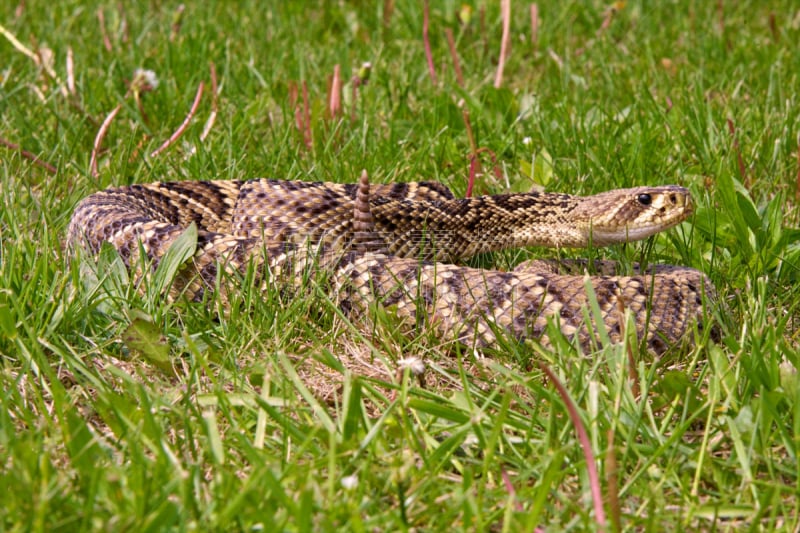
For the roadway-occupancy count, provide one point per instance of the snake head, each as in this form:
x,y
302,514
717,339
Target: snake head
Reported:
x,y
626,215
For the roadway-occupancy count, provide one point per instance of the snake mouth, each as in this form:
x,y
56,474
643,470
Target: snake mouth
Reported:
x,y
604,237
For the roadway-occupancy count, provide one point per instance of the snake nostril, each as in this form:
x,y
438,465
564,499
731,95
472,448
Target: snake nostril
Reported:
x,y
645,199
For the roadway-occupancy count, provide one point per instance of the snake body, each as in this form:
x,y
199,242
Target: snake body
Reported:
x,y
395,245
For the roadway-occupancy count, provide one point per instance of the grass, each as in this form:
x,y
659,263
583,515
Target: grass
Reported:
x,y
125,410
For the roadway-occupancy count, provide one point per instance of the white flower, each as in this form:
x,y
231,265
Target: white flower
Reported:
x,y
349,482
415,364
144,78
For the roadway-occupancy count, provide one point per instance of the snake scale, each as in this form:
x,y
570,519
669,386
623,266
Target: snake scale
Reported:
x,y
396,245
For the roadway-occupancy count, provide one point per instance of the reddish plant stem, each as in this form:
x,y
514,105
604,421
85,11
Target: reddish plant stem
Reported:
x,y
185,124
98,140
29,156
213,115
484,37
505,43
473,147
773,27
177,22
739,159
137,98
451,44
427,43
474,166
123,24
721,13
510,489
301,113
497,172
609,16
583,438
101,18
534,25
307,138
388,11
474,161
212,70
335,96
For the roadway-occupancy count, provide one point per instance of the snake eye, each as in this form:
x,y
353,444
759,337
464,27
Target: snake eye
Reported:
x,y
645,199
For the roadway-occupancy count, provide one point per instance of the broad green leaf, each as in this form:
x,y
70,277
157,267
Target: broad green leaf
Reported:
x,y
438,409
441,456
214,438
8,325
146,339
353,413
84,449
740,212
538,172
181,249
748,212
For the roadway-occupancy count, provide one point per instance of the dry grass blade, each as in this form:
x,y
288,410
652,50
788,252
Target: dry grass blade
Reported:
x,y
101,19
98,140
28,155
586,445
44,65
70,71
185,124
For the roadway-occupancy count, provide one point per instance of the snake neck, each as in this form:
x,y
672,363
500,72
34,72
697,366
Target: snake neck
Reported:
x,y
452,229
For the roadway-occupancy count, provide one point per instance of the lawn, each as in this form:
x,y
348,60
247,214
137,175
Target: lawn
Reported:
x,y
126,410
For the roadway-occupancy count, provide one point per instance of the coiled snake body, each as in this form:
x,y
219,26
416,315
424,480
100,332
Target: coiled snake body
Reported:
x,y
378,244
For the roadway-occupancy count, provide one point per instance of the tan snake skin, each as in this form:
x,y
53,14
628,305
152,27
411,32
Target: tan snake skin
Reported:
x,y
376,244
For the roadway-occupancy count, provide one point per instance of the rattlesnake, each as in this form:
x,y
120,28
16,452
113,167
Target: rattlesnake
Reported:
x,y
394,245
